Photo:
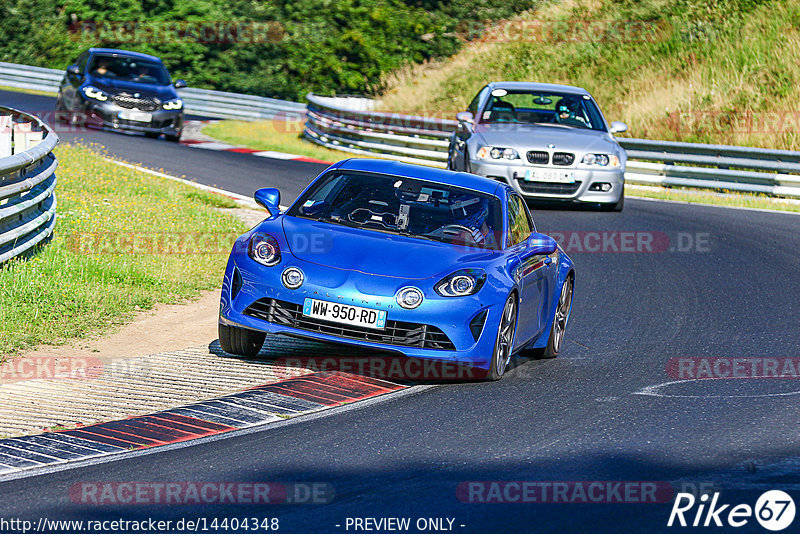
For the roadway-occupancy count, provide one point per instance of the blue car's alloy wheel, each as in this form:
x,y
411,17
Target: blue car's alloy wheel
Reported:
x,y
505,339
560,320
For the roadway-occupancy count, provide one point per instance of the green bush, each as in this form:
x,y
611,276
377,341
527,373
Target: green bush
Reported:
x,y
324,46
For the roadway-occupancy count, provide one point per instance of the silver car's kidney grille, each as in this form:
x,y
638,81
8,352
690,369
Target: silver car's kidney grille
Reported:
x,y
128,101
396,332
538,157
563,158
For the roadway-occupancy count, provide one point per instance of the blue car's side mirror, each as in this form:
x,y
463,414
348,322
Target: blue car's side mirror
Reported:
x,y
270,199
541,244
179,84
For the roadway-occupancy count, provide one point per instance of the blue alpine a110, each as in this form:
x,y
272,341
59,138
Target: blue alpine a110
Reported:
x,y
416,261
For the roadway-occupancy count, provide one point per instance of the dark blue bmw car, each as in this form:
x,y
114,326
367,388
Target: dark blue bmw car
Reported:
x,y
121,90
421,262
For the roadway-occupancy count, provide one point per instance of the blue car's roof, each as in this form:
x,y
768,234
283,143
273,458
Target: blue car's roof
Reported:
x,y
441,176
123,53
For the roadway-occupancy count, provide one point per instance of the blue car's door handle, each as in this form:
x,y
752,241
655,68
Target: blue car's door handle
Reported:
x,y
548,260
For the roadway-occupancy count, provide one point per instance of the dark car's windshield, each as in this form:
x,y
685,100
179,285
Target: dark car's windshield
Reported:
x,y
405,206
129,69
576,111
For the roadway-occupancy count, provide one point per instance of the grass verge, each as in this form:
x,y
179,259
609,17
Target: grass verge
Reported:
x,y
276,135
26,91
124,241
698,196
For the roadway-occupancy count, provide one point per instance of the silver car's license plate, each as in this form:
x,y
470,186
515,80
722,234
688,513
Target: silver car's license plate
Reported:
x,y
344,313
547,175
134,115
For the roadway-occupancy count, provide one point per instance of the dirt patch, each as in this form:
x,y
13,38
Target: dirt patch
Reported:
x,y
166,327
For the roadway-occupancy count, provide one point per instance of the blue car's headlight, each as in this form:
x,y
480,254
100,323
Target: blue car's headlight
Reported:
x,y
264,249
461,283
94,93
173,104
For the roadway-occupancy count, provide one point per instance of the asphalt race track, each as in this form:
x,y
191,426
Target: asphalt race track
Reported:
x,y
699,282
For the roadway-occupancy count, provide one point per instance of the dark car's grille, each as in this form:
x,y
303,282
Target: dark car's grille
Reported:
x,y
563,158
547,188
128,101
396,332
538,157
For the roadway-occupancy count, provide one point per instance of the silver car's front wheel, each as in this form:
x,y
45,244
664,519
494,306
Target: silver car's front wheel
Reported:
x,y
504,343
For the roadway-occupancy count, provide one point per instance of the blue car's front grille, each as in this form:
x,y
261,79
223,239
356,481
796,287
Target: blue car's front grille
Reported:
x,y
396,332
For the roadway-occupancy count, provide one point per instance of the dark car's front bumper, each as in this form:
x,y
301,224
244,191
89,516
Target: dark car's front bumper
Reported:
x,y
107,115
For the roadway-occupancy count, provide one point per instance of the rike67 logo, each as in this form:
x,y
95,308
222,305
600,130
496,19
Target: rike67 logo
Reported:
x,y
774,510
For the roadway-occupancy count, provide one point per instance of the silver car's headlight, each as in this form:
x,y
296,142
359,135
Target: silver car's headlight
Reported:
x,y
497,152
600,160
173,104
94,93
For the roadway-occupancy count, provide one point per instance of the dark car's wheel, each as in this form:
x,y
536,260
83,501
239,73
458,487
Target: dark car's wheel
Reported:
x,y
559,321
173,138
504,343
240,341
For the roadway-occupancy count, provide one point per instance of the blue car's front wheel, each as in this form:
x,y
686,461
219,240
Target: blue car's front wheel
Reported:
x,y
505,339
240,341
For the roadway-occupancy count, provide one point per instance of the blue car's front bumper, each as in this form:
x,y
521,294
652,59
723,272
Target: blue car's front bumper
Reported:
x,y
247,282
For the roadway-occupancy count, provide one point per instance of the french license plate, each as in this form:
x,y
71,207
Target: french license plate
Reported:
x,y
547,175
344,313
134,115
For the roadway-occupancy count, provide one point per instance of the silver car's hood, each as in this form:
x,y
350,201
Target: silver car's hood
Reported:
x,y
525,137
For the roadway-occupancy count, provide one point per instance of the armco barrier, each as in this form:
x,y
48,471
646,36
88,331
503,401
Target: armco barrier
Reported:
x,y
27,182
662,163
349,124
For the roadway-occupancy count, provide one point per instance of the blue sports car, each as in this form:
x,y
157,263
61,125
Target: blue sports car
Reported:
x,y
420,262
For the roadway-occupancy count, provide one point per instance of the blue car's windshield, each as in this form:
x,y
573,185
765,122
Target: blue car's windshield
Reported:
x,y
129,69
405,206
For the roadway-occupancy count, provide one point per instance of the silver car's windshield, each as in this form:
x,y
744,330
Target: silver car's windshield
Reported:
x,y
524,107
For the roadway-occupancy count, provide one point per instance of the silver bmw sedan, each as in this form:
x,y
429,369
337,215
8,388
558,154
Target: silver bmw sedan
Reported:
x,y
549,142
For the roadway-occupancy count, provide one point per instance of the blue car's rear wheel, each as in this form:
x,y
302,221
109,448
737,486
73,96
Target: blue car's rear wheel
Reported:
x,y
240,341
504,343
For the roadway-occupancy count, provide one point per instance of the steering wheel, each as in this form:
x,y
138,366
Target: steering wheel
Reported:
x,y
456,228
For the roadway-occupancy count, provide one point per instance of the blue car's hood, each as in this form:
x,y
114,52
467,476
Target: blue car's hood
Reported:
x,y
374,252
112,86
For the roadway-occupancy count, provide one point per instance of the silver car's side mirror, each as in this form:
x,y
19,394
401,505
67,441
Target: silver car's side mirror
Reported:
x,y
618,127
465,116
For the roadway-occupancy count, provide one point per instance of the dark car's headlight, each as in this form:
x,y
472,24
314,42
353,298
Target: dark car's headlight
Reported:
x,y
171,105
461,283
264,249
600,160
94,93
497,152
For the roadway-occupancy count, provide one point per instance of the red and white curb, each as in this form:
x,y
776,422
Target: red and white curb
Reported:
x,y
192,137
253,407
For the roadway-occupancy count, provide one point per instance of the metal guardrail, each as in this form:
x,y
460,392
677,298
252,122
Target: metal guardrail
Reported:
x,y
348,124
204,102
662,163
27,182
